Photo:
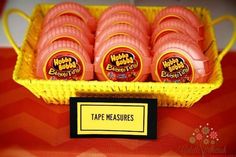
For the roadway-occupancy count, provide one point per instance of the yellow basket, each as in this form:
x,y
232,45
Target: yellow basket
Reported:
x,y
168,94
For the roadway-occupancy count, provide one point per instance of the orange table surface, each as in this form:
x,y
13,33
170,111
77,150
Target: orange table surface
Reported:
x,y
29,127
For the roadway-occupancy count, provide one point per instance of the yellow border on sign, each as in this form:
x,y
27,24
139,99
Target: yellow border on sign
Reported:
x,y
113,132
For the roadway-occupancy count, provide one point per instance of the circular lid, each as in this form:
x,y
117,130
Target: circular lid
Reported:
x,y
190,48
124,8
121,19
121,29
73,9
69,21
172,35
122,58
65,33
123,41
174,25
64,60
179,61
178,12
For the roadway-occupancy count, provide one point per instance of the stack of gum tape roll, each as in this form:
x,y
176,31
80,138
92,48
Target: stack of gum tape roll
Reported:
x,y
65,47
177,47
122,45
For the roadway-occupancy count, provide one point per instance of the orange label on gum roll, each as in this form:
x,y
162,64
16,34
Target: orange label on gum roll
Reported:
x,y
121,64
174,67
64,66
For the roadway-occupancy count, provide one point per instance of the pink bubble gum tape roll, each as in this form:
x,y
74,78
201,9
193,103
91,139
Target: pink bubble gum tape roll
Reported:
x,y
73,9
121,29
174,25
181,13
121,19
64,60
122,58
127,9
179,61
169,36
69,21
65,33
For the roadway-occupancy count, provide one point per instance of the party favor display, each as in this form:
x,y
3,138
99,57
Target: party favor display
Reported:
x,y
121,51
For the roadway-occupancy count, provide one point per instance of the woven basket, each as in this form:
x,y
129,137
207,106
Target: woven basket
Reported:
x,y
59,91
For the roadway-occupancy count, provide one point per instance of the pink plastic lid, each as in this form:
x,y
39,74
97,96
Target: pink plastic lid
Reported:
x,y
64,60
179,61
127,9
73,9
172,35
177,26
121,29
122,58
65,33
69,21
121,19
178,12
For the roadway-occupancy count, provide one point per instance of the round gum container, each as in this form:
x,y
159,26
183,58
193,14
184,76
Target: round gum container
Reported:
x,y
69,21
122,58
121,29
72,9
121,19
65,33
127,9
64,60
181,62
181,13
174,25
176,36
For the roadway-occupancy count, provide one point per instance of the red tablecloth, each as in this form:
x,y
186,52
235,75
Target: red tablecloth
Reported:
x,y
30,127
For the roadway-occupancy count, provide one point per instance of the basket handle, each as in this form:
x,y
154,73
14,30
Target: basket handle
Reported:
x,y
233,37
6,26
